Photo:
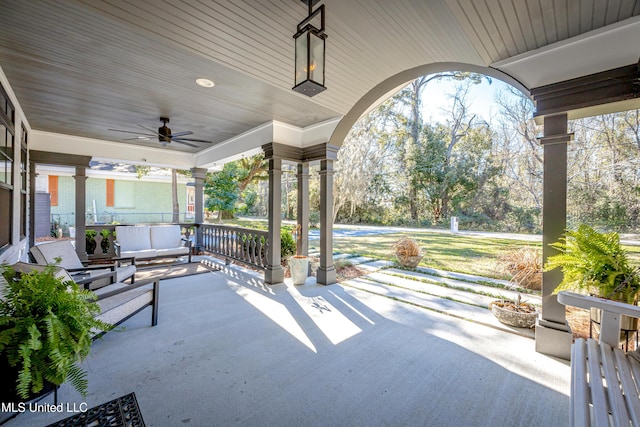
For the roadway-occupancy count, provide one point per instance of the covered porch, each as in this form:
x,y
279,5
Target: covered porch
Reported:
x,y
232,350
236,347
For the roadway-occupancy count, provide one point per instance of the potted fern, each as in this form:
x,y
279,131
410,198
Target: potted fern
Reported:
x,y
595,263
46,329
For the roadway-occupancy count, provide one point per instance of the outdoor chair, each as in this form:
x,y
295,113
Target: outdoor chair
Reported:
x,y
95,275
117,301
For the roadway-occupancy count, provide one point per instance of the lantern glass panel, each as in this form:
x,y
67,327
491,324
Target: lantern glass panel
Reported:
x,y
301,57
316,69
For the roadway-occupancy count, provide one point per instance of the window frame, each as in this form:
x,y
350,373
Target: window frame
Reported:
x,y
7,168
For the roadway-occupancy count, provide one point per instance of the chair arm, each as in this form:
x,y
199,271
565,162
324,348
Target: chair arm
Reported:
x,y
86,281
110,266
117,248
188,242
587,301
611,313
139,283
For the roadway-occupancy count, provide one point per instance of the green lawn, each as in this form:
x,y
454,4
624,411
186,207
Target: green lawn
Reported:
x,y
473,255
452,252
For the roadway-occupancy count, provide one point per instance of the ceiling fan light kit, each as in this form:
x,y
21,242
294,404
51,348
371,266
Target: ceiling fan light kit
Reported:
x,y
164,134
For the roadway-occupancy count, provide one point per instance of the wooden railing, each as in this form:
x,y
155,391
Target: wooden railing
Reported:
x,y
244,245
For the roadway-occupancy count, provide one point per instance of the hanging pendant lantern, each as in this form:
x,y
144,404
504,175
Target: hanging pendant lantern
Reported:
x,y
310,46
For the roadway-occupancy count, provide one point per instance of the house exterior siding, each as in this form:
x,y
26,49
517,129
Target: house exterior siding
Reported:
x,y
145,202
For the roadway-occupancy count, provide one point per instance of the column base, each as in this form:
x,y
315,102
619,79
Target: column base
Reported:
x,y
274,275
326,276
553,339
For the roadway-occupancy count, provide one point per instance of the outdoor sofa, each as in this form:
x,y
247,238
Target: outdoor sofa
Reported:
x,y
147,242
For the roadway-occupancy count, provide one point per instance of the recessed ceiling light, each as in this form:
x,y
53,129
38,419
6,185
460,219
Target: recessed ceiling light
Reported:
x,y
205,82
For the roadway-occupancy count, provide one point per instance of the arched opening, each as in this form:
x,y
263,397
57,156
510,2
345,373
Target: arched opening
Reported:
x,y
384,89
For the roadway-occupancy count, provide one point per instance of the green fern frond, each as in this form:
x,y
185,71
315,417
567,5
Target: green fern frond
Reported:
x,y
78,379
46,327
595,263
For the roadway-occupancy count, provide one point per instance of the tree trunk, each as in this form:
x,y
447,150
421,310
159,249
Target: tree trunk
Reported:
x,y
174,196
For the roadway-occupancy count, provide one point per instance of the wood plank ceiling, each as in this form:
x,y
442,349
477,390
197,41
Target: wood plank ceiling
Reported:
x,y
81,67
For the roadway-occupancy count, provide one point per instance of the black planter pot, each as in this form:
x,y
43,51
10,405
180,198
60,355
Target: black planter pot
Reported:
x,y
8,393
91,246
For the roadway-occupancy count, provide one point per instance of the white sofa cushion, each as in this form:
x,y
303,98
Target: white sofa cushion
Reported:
x,y
165,237
133,238
173,252
141,254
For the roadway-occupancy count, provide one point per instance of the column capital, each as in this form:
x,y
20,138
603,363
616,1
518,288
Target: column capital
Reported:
x,y
556,139
326,167
199,173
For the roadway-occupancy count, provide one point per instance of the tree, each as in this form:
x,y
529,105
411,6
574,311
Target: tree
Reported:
x,y
364,160
445,165
221,189
252,169
225,188
413,97
174,197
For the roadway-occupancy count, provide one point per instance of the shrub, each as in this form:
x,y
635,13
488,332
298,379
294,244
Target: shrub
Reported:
x,y
406,246
287,244
524,265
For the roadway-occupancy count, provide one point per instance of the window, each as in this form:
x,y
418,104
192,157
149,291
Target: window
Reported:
x,y
23,183
7,138
110,192
53,189
191,202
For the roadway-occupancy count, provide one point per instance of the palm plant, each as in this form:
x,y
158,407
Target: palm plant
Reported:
x,y
595,263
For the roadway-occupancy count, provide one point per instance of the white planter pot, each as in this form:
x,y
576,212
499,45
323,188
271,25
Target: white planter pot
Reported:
x,y
299,268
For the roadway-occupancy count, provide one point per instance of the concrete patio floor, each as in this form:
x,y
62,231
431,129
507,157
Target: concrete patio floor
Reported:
x,y
230,350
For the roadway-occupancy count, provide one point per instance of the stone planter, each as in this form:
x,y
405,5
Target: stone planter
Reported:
x,y
299,268
511,317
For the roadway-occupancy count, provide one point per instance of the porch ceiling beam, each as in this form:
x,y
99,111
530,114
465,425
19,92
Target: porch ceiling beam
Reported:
x,y
316,152
608,91
62,159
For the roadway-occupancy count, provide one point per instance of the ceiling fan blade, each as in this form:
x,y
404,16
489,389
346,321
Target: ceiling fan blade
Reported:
x,y
139,138
155,133
185,143
184,133
128,131
192,140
